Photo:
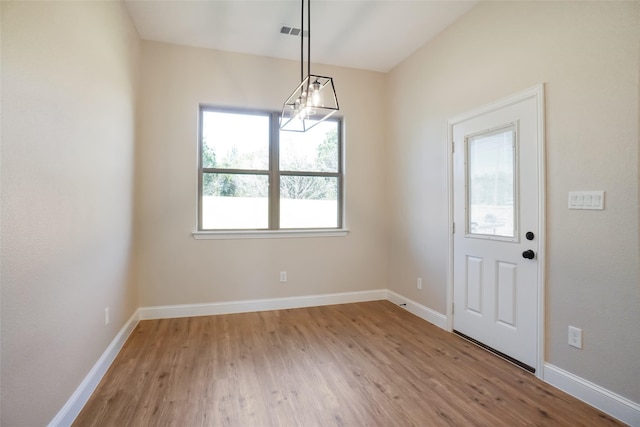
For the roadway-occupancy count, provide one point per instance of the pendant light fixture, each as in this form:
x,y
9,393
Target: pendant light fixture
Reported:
x,y
314,100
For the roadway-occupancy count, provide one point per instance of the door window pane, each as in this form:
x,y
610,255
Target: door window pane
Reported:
x,y
490,189
235,201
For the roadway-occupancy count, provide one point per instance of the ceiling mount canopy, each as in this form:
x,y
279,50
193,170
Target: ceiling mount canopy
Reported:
x,y
314,100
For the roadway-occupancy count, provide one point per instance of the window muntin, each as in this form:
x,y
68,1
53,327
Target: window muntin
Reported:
x,y
254,177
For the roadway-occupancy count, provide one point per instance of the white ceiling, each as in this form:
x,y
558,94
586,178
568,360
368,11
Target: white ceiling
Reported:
x,y
369,34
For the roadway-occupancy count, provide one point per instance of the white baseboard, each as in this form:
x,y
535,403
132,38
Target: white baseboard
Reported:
x,y
423,312
78,399
192,310
613,404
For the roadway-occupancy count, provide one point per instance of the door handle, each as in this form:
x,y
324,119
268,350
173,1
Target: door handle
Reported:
x,y
528,254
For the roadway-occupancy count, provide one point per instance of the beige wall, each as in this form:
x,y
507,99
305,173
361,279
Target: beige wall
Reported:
x,y
174,268
69,83
586,53
68,93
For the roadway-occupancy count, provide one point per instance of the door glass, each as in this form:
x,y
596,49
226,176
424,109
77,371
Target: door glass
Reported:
x,y
490,185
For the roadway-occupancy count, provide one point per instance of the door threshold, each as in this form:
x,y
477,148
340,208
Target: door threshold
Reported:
x,y
500,354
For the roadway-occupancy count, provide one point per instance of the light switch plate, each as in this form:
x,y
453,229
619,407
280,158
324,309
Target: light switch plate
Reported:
x,y
586,200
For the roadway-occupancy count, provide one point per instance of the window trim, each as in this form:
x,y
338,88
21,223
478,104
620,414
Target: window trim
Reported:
x,y
270,234
274,174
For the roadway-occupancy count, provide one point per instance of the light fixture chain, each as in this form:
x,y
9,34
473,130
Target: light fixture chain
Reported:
x,y
308,37
302,42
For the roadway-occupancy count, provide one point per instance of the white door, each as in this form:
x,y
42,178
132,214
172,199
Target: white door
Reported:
x,y
496,213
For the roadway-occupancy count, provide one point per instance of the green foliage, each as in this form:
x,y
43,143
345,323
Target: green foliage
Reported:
x,y
292,187
208,161
327,152
208,156
227,186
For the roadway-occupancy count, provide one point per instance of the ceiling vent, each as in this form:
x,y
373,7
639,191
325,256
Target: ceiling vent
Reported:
x,y
291,31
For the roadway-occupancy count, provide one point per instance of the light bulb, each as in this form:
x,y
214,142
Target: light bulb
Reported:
x,y
315,94
298,109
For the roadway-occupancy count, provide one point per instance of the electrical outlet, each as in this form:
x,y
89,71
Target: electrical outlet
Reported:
x,y
106,316
419,283
575,337
283,276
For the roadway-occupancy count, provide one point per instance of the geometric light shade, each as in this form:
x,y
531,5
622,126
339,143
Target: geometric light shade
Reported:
x,y
313,101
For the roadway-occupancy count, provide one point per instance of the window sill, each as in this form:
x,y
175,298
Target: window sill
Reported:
x,y
268,234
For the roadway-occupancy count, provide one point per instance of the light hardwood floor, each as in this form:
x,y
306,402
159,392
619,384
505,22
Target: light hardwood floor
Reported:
x,y
365,364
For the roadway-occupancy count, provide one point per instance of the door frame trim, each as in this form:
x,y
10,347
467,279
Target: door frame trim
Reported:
x,y
536,92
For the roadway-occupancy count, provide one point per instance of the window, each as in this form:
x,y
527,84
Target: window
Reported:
x,y
491,165
254,177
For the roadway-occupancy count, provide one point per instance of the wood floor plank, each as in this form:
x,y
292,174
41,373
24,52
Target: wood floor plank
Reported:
x,y
365,364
